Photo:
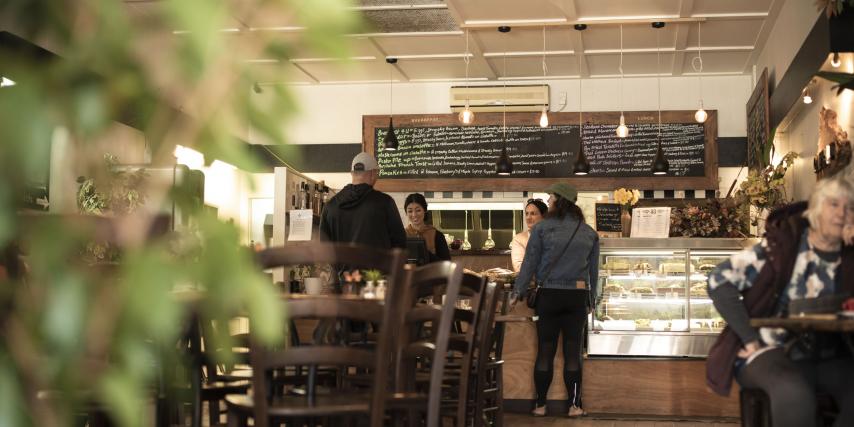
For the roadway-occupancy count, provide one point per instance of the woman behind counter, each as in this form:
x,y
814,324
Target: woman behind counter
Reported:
x,y
563,252
535,209
416,212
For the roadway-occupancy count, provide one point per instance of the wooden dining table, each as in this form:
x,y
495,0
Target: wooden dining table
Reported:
x,y
811,323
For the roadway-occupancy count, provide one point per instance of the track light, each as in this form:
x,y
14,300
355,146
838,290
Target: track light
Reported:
x,y
807,97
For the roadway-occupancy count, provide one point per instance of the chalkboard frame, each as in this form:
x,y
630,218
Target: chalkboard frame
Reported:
x,y
758,122
707,182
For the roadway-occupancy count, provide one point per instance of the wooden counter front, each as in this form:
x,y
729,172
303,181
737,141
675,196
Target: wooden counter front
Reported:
x,y
653,386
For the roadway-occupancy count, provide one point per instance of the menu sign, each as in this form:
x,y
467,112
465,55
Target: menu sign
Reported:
x,y
436,152
608,217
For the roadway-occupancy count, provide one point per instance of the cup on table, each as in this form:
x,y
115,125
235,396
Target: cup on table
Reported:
x,y
313,285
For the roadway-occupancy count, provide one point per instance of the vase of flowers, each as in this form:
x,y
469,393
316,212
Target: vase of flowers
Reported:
x,y
764,190
626,199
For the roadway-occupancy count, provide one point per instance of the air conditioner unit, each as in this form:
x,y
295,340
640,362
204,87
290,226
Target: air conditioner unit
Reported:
x,y
494,98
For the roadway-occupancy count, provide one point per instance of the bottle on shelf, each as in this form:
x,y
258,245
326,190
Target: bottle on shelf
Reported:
x,y
307,196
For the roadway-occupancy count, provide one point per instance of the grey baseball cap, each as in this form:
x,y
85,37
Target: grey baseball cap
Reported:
x,y
363,162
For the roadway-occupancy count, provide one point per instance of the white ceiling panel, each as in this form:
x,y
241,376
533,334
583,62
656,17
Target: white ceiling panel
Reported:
x,y
607,37
532,67
524,40
730,7
442,69
718,62
432,45
644,64
726,33
352,71
506,10
625,9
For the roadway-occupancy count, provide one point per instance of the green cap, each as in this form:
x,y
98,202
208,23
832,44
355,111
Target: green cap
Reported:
x,y
564,190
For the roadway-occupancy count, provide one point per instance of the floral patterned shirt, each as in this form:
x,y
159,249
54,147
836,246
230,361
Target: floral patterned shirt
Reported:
x,y
813,276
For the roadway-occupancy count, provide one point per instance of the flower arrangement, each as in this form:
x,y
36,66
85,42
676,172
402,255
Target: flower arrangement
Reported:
x,y
626,198
716,218
764,189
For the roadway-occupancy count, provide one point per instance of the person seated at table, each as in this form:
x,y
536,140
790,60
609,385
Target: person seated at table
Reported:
x,y
416,212
535,209
803,255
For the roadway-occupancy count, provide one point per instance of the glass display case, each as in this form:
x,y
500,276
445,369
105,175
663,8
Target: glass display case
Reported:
x,y
653,299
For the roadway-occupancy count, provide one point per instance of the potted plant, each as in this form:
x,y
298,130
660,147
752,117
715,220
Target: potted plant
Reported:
x,y
765,190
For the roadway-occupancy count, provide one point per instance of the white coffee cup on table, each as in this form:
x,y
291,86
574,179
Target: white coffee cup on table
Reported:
x,y
313,285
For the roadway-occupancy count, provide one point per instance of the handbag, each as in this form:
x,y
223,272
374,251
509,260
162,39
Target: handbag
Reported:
x,y
534,292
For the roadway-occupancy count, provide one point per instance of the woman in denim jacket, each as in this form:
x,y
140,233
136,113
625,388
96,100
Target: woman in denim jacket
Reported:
x,y
567,276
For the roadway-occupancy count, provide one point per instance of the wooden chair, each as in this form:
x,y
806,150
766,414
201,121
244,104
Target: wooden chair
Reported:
x,y
485,399
423,339
266,408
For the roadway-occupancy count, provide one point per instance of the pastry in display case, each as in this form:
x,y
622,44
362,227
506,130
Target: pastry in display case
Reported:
x,y
653,298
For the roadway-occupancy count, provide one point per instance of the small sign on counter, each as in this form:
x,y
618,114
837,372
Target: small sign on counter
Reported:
x,y
651,222
299,228
608,219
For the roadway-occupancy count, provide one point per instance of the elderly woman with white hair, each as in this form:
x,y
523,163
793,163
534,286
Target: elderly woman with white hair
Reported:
x,y
803,255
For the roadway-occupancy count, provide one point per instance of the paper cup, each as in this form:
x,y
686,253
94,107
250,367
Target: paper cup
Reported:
x,y
313,285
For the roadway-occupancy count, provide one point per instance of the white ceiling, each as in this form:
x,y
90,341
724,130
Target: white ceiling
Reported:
x,y
429,38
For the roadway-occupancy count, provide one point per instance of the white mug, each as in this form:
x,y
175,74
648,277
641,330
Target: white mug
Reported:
x,y
313,285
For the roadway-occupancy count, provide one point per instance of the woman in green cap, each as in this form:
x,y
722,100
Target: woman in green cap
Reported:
x,y
562,254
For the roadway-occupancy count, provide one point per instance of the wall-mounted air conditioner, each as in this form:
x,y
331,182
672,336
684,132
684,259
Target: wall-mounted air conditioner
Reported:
x,y
494,98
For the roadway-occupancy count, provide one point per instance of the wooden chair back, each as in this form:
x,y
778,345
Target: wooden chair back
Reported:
x,y
486,342
325,352
440,278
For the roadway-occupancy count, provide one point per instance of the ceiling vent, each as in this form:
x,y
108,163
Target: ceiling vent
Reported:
x,y
494,98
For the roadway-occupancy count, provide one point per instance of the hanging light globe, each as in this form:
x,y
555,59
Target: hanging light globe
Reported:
x,y
701,115
622,129
467,115
544,118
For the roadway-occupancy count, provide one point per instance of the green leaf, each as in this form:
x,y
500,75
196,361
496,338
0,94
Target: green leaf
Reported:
x,y
833,76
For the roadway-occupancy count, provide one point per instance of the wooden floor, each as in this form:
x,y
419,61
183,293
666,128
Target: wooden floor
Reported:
x,y
518,420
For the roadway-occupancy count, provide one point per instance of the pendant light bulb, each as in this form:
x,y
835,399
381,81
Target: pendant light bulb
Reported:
x,y
544,118
835,62
467,115
701,115
622,129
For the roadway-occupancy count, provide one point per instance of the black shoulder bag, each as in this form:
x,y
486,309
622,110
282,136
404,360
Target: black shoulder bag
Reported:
x,y
534,292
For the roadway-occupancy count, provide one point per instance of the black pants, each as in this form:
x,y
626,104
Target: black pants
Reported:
x,y
792,386
560,312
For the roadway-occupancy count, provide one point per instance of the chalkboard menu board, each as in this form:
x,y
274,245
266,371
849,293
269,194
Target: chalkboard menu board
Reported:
x,y
471,151
436,153
758,122
608,217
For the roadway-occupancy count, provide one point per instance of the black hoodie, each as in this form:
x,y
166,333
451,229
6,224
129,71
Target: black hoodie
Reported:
x,y
360,214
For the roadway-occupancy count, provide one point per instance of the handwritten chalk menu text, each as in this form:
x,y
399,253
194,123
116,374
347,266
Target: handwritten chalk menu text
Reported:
x,y
471,151
608,217
683,145
437,153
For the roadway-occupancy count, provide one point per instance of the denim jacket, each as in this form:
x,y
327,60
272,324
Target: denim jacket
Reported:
x,y
579,262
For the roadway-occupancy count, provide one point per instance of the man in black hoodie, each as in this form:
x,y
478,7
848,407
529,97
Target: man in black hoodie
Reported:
x,y
360,214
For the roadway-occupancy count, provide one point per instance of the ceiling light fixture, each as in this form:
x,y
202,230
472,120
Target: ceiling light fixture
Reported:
x,y
622,129
835,62
4,82
701,115
467,115
504,167
660,166
390,142
807,97
544,116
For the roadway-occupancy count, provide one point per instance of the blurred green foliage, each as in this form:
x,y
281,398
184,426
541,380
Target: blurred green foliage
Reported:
x,y
98,333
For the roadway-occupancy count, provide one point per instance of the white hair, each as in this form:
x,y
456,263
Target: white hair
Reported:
x,y
835,187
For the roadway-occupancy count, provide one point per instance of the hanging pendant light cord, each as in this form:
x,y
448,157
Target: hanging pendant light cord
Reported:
x,y
544,54
390,91
658,76
621,69
466,58
504,100
697,62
